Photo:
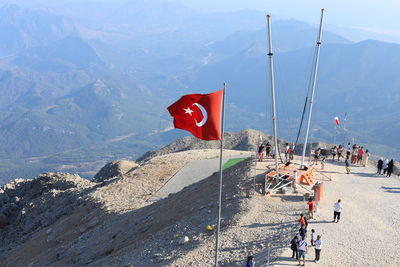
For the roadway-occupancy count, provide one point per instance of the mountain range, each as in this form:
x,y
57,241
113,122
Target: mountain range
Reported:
x,y
81,90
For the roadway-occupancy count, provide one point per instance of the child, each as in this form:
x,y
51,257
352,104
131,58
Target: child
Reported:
x,y
312,237
323,163
347,164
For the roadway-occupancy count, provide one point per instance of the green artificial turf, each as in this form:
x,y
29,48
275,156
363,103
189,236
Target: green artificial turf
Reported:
x,y
232,162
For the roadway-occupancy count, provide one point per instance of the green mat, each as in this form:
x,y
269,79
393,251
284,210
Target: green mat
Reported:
x,y
232,162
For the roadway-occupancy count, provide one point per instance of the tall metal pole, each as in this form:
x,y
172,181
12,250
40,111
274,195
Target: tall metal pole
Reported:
x,y
271,74
334,134
314,82
345,129
220,178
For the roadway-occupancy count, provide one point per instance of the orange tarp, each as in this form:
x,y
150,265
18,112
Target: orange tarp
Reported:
x,y
303,177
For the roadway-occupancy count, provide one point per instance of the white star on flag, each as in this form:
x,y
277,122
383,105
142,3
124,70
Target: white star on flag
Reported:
x,y
188,111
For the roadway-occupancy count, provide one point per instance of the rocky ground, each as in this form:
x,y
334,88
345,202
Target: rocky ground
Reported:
x,y
114,220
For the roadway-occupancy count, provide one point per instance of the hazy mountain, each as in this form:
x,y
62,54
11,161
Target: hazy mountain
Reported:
x,y
71,102
359,79
22,28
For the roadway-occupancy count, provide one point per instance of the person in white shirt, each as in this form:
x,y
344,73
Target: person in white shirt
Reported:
x,y
318,247
302,249
337,210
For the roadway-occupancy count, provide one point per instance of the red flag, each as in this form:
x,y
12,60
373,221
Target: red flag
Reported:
x,y
199,114
337,121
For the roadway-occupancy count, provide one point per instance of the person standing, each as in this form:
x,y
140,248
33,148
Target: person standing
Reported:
x,y
339,152
322,162
360,154
365,158
380,166
318,247
311,207
273,154
268,150
291,152
337,210
354,155
293,247
347,165
334,152
250,261
260,152
287,151
348,150
303,231
302,220
390,168
302,248
312,237
385,166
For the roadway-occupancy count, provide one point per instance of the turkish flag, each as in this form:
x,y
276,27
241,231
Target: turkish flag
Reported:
x,y
337,121
199,114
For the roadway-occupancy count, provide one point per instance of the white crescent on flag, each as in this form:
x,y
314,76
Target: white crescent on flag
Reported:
x,y
204,113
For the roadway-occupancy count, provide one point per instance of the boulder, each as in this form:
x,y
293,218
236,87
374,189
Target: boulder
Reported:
x,y
113,169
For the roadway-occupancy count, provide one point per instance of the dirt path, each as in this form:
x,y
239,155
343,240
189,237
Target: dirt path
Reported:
x,y
368,233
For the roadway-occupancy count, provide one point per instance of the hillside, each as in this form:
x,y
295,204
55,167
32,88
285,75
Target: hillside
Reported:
x,y
116,220
89,210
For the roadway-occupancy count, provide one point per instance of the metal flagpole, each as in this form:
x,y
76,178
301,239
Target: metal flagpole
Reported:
x,y
271,68
314,81
334,134
345,129
220,178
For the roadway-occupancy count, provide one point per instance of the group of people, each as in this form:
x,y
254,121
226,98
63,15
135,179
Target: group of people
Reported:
x,y
386,166
299,245
356,155
266,148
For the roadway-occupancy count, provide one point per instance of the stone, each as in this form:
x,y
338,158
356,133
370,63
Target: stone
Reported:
x,y
183,240
3,220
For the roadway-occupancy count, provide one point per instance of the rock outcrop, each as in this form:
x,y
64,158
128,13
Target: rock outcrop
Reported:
x,y
30,205
247,140
114,169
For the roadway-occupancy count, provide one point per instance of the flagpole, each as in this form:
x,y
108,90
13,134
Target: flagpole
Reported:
x,y
220,178
271,68
314,82
334,134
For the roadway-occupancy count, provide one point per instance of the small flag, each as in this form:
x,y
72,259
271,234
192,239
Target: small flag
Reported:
x,y
199,114
337,121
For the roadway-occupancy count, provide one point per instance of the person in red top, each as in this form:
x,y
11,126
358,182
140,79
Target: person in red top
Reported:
x,y
310,204
302,220
360,154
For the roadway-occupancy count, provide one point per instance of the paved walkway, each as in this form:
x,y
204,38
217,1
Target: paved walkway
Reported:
x,y
193,172
368,233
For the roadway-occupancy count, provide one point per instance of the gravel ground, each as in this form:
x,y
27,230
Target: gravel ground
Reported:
x,y
368,233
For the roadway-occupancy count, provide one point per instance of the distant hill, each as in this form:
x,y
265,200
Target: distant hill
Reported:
x,y
87,83
23,28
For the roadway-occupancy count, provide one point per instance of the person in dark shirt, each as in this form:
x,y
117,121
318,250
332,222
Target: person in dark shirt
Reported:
x,y
250,261
303,231
293,247
380,166
390,168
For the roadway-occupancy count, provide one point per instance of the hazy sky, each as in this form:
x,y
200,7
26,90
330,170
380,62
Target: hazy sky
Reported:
x,y
373,15
382,16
